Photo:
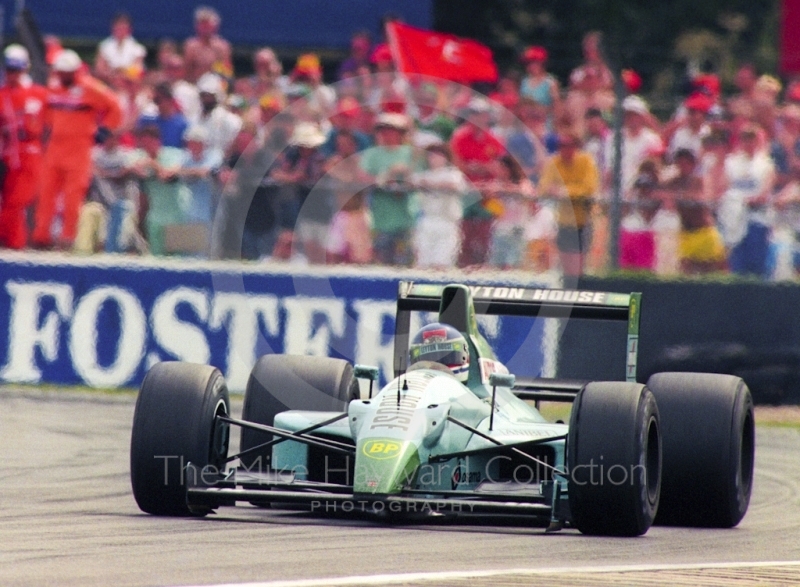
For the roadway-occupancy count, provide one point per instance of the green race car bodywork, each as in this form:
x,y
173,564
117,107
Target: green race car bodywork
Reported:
x,y
680,446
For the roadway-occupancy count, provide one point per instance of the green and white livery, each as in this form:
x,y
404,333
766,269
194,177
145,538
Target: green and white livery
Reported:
x,y
677,450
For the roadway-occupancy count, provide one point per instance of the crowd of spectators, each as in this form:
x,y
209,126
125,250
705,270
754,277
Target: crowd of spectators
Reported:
x,y
186,158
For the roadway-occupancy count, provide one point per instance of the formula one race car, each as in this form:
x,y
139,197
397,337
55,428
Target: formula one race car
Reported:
x,y
453,433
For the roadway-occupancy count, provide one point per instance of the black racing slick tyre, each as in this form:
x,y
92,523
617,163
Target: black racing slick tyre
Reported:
x,y
614,459
708,430
291,382
174,424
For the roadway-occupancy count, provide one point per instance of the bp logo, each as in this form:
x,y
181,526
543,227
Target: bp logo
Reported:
x,y
381,449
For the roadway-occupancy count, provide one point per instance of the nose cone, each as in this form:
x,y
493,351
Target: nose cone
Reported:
x,y
384,466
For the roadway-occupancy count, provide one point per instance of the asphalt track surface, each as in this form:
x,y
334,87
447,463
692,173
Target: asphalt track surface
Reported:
x,y
67,518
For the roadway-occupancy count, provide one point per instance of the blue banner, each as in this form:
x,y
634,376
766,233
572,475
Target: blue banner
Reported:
x,y
104,321
300,24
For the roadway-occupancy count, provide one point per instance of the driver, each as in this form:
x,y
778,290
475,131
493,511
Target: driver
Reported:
x,y
440,344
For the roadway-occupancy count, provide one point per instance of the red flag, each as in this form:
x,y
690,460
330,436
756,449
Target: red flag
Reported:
x,y
440,55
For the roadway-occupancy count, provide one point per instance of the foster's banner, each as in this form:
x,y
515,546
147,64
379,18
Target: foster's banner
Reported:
x,y
103,322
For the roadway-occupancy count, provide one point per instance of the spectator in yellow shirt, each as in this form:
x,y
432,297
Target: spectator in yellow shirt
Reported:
x,y
571,177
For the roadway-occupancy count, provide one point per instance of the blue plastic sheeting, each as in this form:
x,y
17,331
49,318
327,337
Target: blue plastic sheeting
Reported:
x,y
104,321
292,23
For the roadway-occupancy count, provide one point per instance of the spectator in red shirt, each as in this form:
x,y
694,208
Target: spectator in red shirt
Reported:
x,y
77,107
475,149
476,152
22,111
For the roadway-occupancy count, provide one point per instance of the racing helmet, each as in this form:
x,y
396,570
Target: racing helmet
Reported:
x,y
443,344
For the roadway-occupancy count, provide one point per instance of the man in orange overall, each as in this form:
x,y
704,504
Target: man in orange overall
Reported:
x,y
78,105
22,109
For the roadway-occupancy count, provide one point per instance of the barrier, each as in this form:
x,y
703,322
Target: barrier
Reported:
x,y
745,328
313,23
103,321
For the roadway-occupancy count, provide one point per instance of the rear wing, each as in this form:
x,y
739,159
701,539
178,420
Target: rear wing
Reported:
x,y
458,304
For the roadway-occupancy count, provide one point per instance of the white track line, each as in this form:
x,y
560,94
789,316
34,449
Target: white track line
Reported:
x,y
452,575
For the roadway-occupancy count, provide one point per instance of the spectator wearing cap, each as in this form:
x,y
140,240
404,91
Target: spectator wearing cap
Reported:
x,y
638,141
120,50
319,98
632,81
159,170
745,211
299,169
538,85
199,168
22,118
207,51
78,106
571,177
381,59
387,91
344,117
691,127
700,248
476,152
390,164
169,119
264,112
221,125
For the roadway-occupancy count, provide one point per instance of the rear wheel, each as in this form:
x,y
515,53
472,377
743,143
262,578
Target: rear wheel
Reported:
x,y
291,382
614,459
174,424
709,448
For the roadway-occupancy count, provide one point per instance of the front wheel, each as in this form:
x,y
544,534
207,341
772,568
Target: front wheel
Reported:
x,y
614,459
291,382
174,424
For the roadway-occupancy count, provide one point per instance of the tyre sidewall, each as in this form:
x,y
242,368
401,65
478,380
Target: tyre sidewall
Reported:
x,y
174,424
609,426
